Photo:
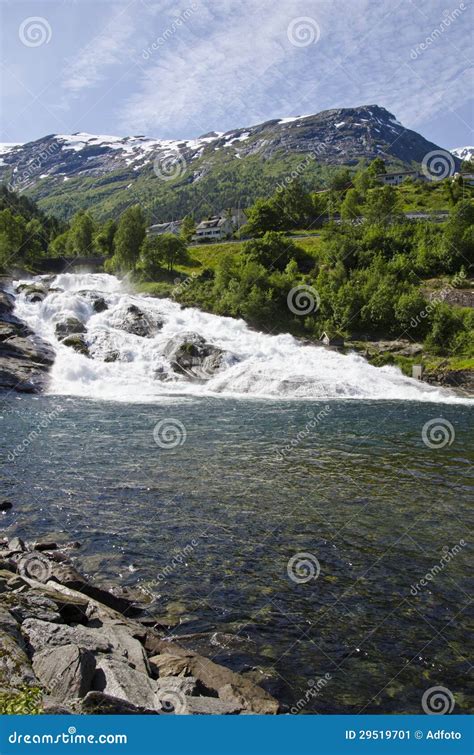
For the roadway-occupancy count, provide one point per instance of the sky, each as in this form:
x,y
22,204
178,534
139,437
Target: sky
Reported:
x,y
180,69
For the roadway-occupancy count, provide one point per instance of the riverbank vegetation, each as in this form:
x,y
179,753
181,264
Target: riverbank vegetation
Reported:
x,y
366,269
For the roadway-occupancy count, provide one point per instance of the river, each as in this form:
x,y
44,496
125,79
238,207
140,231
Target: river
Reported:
x,y
304,513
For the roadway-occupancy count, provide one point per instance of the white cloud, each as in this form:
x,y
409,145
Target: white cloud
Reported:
x,y
231,64
105,50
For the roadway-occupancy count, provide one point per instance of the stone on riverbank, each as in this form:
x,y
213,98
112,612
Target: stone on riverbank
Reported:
x,y
75,644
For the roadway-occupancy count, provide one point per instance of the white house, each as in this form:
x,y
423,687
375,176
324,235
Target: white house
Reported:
x,y
214,229
395,179
220,226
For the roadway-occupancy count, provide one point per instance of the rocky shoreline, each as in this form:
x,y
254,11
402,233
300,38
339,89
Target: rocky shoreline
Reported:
x,y
25,358
69,646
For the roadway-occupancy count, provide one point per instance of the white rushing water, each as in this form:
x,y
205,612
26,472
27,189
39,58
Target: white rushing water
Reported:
x,y
254,364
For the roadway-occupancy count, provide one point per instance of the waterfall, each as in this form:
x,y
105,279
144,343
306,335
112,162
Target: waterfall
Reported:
x,y
132,342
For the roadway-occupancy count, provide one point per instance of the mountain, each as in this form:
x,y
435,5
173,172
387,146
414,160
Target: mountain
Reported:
x,y
170,178
464,153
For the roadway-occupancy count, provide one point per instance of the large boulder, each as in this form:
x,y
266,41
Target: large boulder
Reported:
x,y
96,702
191,355
33,292
69,327
24,358
76,342
15,667
33,606
44,634
66,671
138,323
7,302
120,680
231,688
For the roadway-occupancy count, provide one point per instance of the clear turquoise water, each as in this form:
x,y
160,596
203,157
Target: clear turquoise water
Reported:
x,y
359,491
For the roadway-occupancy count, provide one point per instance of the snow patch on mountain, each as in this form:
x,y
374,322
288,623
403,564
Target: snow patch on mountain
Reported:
x,y
464,153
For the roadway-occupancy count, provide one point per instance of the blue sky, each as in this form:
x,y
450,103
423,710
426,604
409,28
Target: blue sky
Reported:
x,y
180,69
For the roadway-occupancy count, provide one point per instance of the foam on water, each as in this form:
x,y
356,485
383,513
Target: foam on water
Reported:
x,y
258,364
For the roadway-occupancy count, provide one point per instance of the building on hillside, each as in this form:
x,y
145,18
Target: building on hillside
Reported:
x,y
214,229
395,179
159,229
221,226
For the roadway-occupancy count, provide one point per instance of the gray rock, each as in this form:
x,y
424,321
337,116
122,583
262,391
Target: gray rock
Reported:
x,y
15,667
33,292
69,327
76,342
208,706
65,671
140,324
167,664
44,634
120,680
191,355
99,304
24,358
210,675
7,302
9,625
101,703
34,606
53,708
16,544
97,301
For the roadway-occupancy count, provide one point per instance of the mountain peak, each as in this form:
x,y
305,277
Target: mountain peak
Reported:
x,y
216,163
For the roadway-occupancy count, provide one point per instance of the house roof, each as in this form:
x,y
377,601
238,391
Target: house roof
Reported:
x,y
397,173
